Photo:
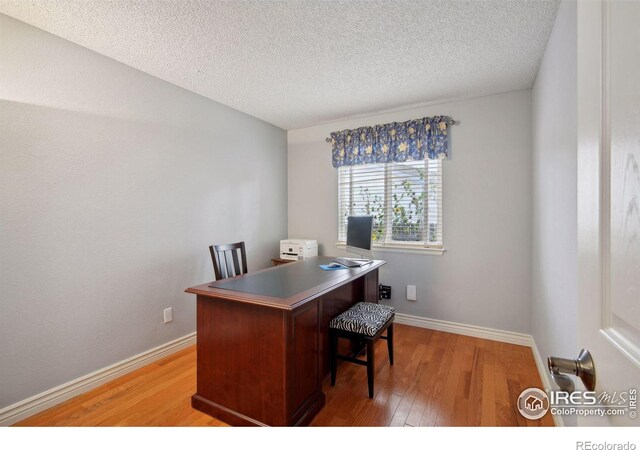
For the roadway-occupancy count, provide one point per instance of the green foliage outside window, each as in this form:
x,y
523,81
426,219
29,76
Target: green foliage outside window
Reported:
x,y
407,209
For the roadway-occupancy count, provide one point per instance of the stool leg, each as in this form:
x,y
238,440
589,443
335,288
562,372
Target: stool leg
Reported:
x,y
390,343
333,352
370,367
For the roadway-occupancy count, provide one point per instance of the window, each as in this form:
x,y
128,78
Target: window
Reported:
x,y
405,199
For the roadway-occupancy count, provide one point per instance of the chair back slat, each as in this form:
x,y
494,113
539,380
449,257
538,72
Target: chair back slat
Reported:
x,y
225,259
224,265
236,263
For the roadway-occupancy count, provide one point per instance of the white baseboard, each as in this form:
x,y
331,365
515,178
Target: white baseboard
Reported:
x,y
509,337
45,400
545,376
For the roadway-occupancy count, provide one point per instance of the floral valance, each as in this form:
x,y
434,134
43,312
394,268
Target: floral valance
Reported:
x,y
392,142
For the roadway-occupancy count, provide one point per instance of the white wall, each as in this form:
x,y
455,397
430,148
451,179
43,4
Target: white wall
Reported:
x,y
112,185
484,277
554,307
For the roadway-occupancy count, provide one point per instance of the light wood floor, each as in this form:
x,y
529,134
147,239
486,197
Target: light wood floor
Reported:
x,y
439,379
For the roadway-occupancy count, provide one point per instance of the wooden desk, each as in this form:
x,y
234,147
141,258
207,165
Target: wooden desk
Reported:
x,y
263,340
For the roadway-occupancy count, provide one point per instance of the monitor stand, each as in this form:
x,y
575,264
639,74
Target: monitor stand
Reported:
x,y
362,261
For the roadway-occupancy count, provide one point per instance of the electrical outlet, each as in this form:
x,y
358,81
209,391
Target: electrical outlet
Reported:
x,y
168,315
385,292
411,292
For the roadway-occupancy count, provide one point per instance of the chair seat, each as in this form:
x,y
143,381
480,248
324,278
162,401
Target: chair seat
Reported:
x,y
363,318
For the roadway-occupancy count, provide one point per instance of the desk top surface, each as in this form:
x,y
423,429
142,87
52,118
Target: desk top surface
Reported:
x,y
286,285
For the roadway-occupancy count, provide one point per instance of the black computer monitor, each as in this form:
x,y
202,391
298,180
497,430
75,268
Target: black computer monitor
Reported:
x,y
359,235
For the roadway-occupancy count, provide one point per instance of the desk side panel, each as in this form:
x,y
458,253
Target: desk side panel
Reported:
x,y
241,359
305,379
371,287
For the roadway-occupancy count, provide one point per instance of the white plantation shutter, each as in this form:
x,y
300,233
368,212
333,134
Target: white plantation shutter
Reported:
x,y
405,199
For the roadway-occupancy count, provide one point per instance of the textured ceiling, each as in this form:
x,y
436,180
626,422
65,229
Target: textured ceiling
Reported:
x,y
299,63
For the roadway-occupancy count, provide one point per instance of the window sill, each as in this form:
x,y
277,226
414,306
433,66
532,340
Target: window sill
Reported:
x,y
415,250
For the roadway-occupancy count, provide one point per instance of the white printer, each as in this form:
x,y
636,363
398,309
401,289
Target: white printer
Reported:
x,y
297,249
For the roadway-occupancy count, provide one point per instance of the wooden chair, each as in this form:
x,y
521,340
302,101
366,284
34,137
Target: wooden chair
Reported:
x,y
363,322
222,267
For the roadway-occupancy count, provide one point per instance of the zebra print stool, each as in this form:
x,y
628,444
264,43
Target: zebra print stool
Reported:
x,y
363,322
